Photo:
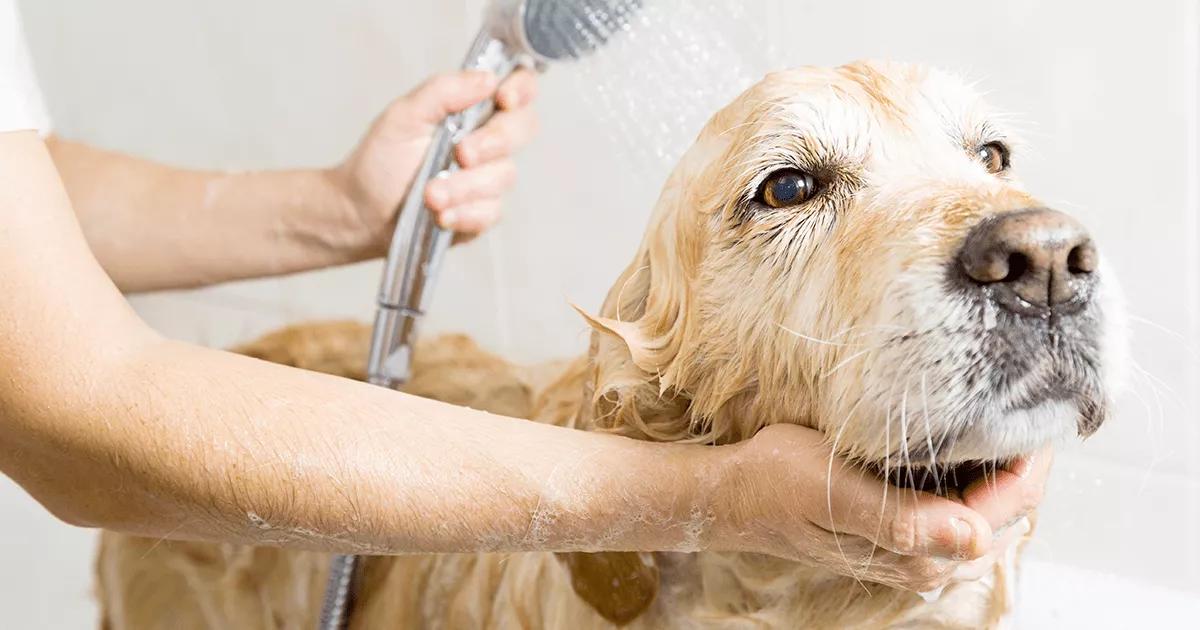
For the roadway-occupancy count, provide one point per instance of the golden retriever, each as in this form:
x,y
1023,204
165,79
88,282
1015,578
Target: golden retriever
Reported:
x,y
848,249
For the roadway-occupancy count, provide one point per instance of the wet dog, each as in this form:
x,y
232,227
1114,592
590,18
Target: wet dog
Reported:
x,y
847,248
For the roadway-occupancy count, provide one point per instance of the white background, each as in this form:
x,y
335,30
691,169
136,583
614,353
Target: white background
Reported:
x,y
1107,94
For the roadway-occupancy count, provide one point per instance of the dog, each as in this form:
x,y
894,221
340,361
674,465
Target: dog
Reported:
x,y
845,248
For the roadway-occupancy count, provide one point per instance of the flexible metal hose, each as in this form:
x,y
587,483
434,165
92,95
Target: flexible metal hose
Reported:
x,y
338,593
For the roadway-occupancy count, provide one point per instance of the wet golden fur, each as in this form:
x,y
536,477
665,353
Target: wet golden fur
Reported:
x,y
146,583
729,318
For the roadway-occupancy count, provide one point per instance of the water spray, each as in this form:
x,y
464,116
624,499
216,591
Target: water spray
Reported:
x,y
515,33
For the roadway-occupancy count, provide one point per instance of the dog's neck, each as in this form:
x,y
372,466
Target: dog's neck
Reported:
x,y
622,397
738,585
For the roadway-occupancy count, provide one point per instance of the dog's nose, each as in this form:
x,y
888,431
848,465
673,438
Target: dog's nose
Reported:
x,y
1043,257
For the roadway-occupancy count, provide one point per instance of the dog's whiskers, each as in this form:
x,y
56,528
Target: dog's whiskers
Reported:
x,y
905,455
1155,435
1159,384
837,541
883,503
799,335
845,331
844,362
1155,422
932,470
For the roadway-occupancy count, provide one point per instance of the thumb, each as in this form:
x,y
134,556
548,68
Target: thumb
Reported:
x,y
444,94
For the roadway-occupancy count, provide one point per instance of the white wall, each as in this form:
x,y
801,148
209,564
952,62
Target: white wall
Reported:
x,y
1108,96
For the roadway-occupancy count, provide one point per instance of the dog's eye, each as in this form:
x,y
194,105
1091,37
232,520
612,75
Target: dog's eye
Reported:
x,y
994,156
789,187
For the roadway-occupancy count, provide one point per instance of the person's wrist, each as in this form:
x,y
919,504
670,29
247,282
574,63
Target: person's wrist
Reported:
x,y
749,492
700,482
722,497
350,216
669,487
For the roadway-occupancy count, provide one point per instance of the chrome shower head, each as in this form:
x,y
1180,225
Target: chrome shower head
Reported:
x,y
554,30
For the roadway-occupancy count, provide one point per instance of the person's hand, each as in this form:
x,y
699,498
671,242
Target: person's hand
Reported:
x,y
377,175
786,497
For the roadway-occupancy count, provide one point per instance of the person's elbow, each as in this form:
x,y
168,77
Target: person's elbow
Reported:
x,y
66,436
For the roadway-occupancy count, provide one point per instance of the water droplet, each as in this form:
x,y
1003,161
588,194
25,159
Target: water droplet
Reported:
x,y
655,84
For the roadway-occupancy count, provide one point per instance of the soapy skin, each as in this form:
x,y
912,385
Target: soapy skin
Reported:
x,y
109,425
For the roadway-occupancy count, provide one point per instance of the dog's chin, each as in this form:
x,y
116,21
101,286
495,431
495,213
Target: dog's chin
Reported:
x,y
1013,433
1027,384
988,445
949,480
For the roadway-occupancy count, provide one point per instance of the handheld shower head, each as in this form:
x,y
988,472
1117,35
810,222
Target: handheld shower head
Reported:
x,y
554,30
514,33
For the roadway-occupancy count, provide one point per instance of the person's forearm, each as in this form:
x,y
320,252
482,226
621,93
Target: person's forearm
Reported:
x,y
184,442
156,227
109,425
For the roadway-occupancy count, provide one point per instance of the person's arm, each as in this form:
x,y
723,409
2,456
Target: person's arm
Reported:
x,y
152,226
109,425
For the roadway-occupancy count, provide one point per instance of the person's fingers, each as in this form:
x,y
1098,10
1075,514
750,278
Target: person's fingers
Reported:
x,y
500,137
470,219
973,570
518,90
470,185
852,555
1005,539
1006,495
922,574
917,574
444,94
905,521
857,557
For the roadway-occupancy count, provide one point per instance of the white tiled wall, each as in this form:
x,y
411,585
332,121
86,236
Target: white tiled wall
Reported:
x,y
1107,92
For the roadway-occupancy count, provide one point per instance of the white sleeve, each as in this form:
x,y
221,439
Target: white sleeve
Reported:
x,y
21,106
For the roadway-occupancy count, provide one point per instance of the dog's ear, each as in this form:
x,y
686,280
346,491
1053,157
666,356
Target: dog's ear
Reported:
x,y
639,381
620,586
631,390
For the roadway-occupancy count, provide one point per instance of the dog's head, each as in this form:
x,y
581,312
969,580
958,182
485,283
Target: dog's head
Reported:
x,y
851,249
